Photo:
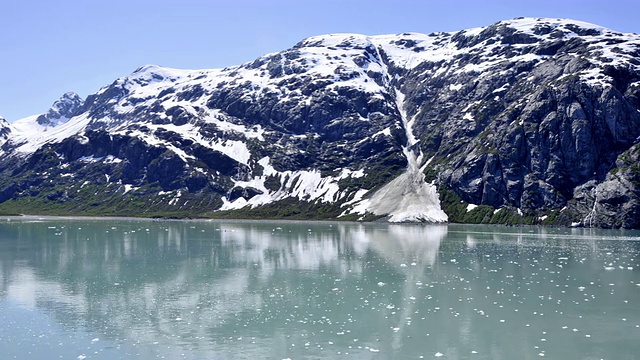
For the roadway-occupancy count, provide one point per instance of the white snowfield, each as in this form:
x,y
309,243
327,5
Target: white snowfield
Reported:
x,y
327,58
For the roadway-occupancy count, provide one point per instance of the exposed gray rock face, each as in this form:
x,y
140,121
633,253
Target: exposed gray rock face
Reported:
x,y
540,116
615,202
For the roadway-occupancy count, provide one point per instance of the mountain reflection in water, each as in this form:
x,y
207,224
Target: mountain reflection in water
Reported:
x,y
225,289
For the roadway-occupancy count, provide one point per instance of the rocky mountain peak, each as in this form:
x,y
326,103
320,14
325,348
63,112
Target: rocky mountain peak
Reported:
x,y
62,109
338,40
147,74
542,26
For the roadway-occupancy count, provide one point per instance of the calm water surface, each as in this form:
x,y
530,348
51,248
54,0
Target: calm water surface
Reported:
x,y
138,289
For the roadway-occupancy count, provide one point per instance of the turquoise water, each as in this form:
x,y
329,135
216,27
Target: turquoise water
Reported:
x,y
142,289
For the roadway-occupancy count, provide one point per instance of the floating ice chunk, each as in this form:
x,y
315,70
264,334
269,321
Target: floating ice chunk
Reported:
x,y
439,354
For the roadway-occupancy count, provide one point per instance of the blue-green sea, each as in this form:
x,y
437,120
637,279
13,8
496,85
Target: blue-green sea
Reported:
x,y
145,289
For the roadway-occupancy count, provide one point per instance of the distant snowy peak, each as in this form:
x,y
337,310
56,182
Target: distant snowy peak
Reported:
x,y
148,74
62,109
522,31
543,26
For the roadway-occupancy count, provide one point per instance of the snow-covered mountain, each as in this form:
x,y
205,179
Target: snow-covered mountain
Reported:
x,y
535,119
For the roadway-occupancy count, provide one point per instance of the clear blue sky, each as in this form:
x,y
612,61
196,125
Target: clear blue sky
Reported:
x,y
49,47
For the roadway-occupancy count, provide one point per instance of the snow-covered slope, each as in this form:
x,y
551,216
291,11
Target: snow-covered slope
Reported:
x,y
346,123
30,133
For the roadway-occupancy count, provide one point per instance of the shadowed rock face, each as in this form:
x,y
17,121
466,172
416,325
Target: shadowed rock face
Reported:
x,y
540,116
4,130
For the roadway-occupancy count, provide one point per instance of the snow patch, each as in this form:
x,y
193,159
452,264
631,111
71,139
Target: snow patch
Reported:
x,y
236,150
176,198
217,118
305,185
385,132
